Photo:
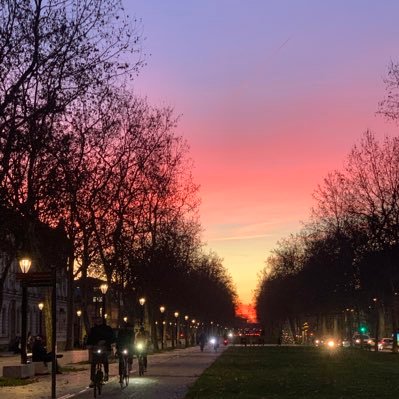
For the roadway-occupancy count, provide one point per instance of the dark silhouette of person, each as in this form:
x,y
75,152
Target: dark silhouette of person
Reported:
x,y
100,336
40,354
29,342
202,340
125,340
15,345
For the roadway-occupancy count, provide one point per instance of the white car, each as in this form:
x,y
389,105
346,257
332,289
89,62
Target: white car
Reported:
x,y
358,338
385,343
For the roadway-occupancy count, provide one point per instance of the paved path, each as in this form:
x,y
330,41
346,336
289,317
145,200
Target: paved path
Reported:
x,y
169,376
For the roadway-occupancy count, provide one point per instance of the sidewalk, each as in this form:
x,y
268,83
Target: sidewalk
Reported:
x,y
70,384
75,356
67,383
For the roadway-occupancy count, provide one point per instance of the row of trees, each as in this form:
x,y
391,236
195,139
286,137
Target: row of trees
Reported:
x,y
345,259
79,152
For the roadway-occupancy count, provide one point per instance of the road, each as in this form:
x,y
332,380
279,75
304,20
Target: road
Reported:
x,y
168,377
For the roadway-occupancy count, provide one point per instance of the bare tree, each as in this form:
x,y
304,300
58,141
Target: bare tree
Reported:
x,y
52,55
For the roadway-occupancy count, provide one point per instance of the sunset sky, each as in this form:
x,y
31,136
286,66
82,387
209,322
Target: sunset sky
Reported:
x,y
272,96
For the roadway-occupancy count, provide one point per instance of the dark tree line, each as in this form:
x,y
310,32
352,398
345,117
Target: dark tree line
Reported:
x,y
344,263
81,153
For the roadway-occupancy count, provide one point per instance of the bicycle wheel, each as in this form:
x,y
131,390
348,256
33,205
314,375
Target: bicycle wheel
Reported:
x,y
98,384
122,377
141,366
123,373
127,378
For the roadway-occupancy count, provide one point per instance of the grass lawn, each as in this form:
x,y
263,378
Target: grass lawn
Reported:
x,y
13,382
299,372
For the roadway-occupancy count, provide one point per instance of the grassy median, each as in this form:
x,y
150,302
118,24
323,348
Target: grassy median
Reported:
x,y
299,372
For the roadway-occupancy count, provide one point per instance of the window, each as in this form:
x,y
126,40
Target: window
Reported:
x,y
3,321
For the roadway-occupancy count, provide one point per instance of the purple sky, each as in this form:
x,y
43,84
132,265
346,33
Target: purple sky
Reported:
x,y
272,94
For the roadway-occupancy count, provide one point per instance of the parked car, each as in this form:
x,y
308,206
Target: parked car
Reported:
x,y
385,343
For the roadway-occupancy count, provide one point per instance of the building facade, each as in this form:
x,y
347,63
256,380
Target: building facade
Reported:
x,y
11,317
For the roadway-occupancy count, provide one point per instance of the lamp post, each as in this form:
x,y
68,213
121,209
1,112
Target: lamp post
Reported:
x,y
103,289
193,321
125,319
24,264
162,310
186,328
39,279
176,314
142,302
40,306
79,313
377,324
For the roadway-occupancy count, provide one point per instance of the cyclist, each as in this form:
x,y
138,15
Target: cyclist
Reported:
x,y
100,335
142,337
125,340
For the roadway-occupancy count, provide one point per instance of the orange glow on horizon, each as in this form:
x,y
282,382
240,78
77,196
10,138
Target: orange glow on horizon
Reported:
x,y
247,311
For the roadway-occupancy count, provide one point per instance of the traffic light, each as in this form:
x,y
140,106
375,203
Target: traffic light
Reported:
x,y
362,329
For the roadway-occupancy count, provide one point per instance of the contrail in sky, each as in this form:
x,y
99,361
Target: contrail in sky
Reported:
x,y
282,45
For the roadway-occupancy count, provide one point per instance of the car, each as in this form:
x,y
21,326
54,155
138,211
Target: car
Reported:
x,y
329,342
318,342
346,343
385,343
362,339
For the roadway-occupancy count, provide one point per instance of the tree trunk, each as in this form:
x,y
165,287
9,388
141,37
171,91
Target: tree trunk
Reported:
x,y
394,325
4,275
377,327
153,328
292,328
70,304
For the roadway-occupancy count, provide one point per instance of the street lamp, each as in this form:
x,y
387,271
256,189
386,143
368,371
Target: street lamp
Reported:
x,y
177,328
79,313
125,319
24,264
162,310
193,321
40,306
103,289
39,279
142,302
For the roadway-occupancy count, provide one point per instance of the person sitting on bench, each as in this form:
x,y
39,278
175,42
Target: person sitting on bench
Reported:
x,y
40,354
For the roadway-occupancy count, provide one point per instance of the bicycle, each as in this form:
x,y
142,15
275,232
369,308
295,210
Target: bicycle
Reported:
x,y
124,368
141,358
98,380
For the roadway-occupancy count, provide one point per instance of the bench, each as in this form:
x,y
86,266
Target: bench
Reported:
x,y
42,368
19,371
